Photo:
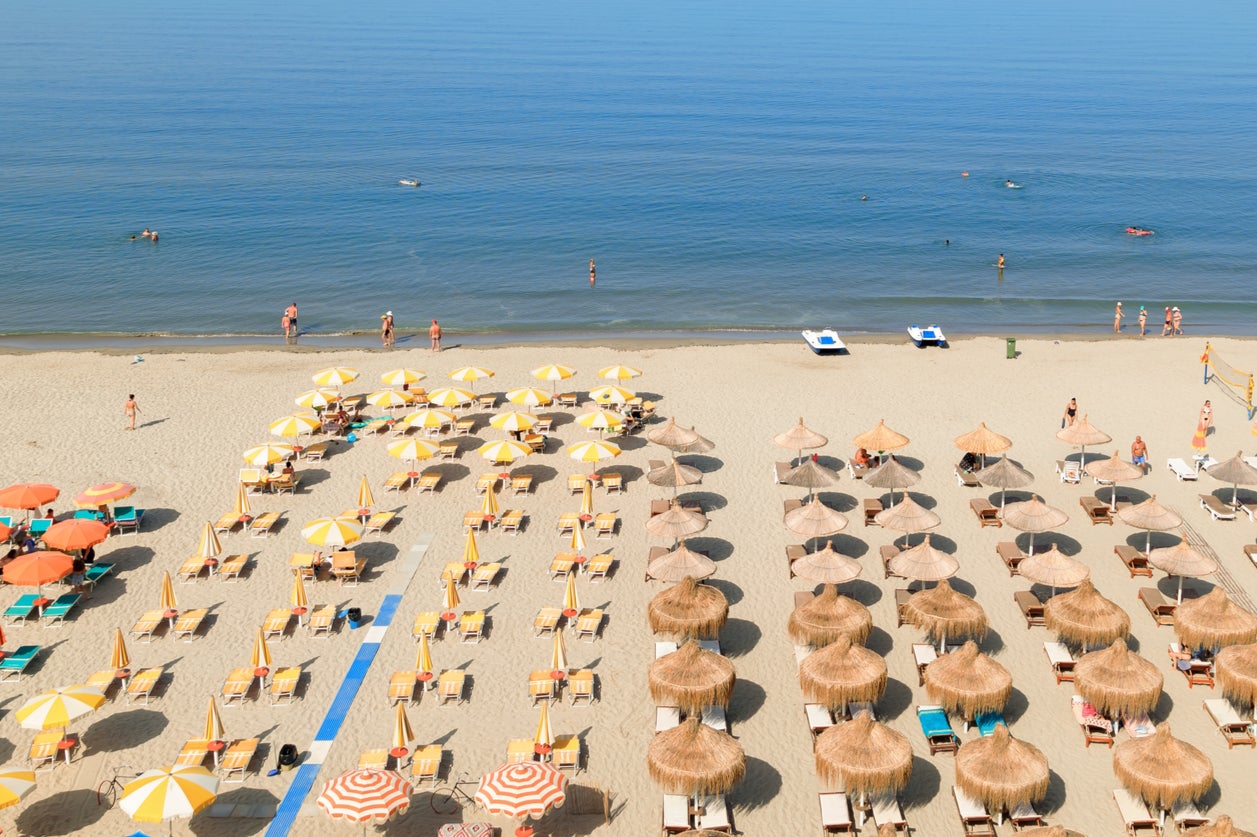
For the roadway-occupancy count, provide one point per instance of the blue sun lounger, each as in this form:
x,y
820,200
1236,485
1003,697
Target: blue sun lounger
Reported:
x,y
39,526
12,666
96,572
55,613
128,517
986,722
22,609
937,729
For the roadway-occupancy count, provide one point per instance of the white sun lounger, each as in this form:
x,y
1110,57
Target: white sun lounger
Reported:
x,y
887,810
1181,469
1135,814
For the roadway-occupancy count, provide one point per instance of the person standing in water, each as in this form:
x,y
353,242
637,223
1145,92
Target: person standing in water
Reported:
x,y
1117,319
593,273
386,329
1143,321
999,263
291,313
434,335
1165,329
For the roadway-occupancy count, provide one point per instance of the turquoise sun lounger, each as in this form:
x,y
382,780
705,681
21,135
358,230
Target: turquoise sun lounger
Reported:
x,y
937,729
12,666
22,609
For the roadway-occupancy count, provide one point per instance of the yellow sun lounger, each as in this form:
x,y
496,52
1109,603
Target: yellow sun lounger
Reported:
x,y
193,753
484,576
237,758
567,522
425,764
598,567
547,621
474,520
237,686
589,623
401,686
428,622
232,566
428,482
104,680
191,570
519,750
188,623
562,565
566,754
142,684
378,522
580,686
284,685
322,620
604,525
373,760
147,624
399,481
263,524
227,523
471,626
454,570
485,481
44,750
511,521
541,686
521,484
450,686
277,622
576,483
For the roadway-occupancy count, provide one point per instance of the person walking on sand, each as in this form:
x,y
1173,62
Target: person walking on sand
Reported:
x,y
1143,321
130,408
1139,453
1071,413
386,329
593,273
434,335
1176,320
1117,319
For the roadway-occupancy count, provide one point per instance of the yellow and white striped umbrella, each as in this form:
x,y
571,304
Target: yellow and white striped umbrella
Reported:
x,y
332,531
413,450
593,451
317,398
490,504
619,373
529,397
428,419
169,792
401,377
365,499
214,730
267,454
208,546
423,660
578,538
390,399
56,708
570,600
241,506
119,658
554,373
167,599
558,653
470,374
513,421
451,397
611,394
299,598
296,425
587,498
544,735
335,376
402,733
471,552
600,420
451,595
503,452
261,655
15,785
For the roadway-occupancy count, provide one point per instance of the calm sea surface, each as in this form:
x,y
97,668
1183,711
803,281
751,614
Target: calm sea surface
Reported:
x,y
712,156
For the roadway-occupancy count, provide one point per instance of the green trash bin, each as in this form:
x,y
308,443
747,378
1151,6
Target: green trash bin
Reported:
x,y
1012,347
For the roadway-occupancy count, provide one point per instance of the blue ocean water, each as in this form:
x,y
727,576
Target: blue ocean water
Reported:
x,y
711,156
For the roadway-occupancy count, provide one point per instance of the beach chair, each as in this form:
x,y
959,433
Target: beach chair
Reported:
x,y
1159,607
21,610
1198,672
253,479
322,620
986,512
604,524
520,750
475,520
1187,817
1250,552
521,484
1139,726
511,521
664,647
231,567
580,687
714,815
142,685
14,665
613,482
676,814
484,577
448,449
96,572
1023,816
302,563
284,686
965,479
1031,608
285,483
923,654
425,764
486,481
781,470
450,686
561,566
1011,555
1068,472
193,753
974,818
902,595
44,751
347,568
188,622
463,427
378,522
1136,562
937,729
857,472
398,481
541,686
471,626
794,552
1097,511
819,718
428,482
787,506
315,452
1234,727
1096,729
105,680
567,522
1135,814
262,525
373,759
887,552
597,567
888,811
566,754
836,813
666,718
589,623
1217,509
276,623
54,614
237,686
986,722
236,760
145,627
535,441
427,623
227,523
872,508
659,507
127,519
454,571
39,526
1181,470
1061,660
191,569
576,483
401,686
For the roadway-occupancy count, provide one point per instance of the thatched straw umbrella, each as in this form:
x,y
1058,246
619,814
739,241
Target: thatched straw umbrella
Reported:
x,y
983,441
688,609
1213,621
1050,831
672,435
1182,560
924,563
695,759
1034,516
815,520
676,523
679,563
1083,433
1221,827
1114,470
891,475
674,475
1004,475
1118,681
842,673
1235,471
826,566
1152,516
968,681
1053,568
1002,772
829,616
1236,667
945,614
691,678
811,475
799,439
864,756
908,517
880,438
1163,770
701,444
1085,617
703,832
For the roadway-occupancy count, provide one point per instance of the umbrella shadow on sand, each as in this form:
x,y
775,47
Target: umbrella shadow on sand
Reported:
x,y
838,501
1159,540
709,500
1125,493
865,592
717,549
1055,796
157,518
1016,706
68,812
894,702
250,806
127,557
123,730
706,464
1043,541
747,699
314,476
733,593
992,643
924,785
879,641
738,637
759,787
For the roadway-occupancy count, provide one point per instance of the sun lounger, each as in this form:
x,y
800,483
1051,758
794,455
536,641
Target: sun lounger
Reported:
x,y
322,620
666,718
398,481
1135,814
541,686
284,686
576,483
520,750
142,684
987,514
1031,608
276,623
974,818
1159,607
787,506
262,525
39,526
1068,472
566,754
54,614
872,508
373,760
315,452
1061,660
378,522
237,686
427,623
561,566
836,813
227,523
1024,816
966,480
857,472
1217,509
484,576
347,567
14,665
923,654
450,685
1097,511
567,522
253,479
425,764
664,647
1139,726
580,686
454,571
191,569
1136,562
463,427
888,551
521,484
1197,673
937,729
1234,728
604,524
986,722
1011,555
1187,817
96,572
486,481
547,620
448,449
1096,729
475,520
888,811
193,753
21,610
715,814
589,623
511,521
676,814
819,718
236,759
597,567
147,625
471,626
1181,469
44,751
127,518
1250,552
794,552
427,482
901,602
105,680
188,623
285,483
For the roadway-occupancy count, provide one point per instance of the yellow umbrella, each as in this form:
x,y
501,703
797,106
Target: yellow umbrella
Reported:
x,y
208,546
571,602
513,421
389,398
402,733
423,661
214,723
545,737
611,394
332,531
558,653
593,451
578,539
470,374
490,505
262,455
401,377
178,791
451,595
365,500
619,373
428,419
56,708
587,499
261,655
412,450
529,397
451,397
554,373
167,600
298,597
471,553
15,785
600,420
335,376
293,426
503,452
120,659
317,398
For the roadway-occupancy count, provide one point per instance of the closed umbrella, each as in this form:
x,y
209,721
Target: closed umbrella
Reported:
x,y
1118,681
891,474
403,734
1004,475
1034,516
924,563
676,523
1114,470
829,617
402,377
214,730
365,796
334,376
578,538
815,520
880,438
826,566
1182,560
679,563
523,789
865,757
1054,569
571,599
1236,667
298,598
909,517
945,614
365,498
688,609
695,759
1002,772
412,450
75,534
983,441
968,681
843,672
207,546
692,678
1085,617
1152,516
260,657
489,507
119,658
1162,769
1082,433
799,438
558,653
241,505
260,456
544,739
451,600
587,500
1214,621
423,658
166,601
168,793
1235,471
811,475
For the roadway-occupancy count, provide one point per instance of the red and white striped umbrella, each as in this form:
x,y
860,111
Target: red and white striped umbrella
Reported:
x,y
525,789
361,796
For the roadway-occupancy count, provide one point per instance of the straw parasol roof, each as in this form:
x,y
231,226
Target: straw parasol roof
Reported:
x,y
829,616
1236,667
676,523
1162,769
1053,568
968,681
674,475
1213,620
1222,827
811,475
693,758
826,566
924,563
815,520
671,435
1118,681
983,441
945,614
691,678
1114,470
800,438
1034,516
908,516
1235,471
701,444
1085,617
1183,561
1050,831
1152,516
864,756
679,563
880,438
1083,433
843,672
1000,771
688,609
1004,475
892,474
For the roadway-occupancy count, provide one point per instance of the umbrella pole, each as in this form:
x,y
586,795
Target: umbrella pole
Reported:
x,y
1180,589
1003,492
1031,550
1148,543
1113,499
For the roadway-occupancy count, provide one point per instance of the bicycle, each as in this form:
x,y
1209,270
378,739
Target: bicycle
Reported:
x,y
107,791
447,799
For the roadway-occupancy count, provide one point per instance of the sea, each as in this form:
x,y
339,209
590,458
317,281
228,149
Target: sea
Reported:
x,y
734,167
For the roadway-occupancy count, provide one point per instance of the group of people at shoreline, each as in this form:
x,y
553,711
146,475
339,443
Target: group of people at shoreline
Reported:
x,y
1172,327
388,335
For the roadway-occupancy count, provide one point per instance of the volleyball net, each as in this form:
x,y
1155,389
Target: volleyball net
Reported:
x,y
1236,380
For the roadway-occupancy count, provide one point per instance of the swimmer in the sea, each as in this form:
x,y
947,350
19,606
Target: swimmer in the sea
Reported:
x,y
1000,261
593,273
1010,184
864,197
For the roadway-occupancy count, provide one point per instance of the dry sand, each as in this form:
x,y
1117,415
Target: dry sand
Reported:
x,y
200,410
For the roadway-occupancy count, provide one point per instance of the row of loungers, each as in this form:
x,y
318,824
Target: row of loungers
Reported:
x,y
712,811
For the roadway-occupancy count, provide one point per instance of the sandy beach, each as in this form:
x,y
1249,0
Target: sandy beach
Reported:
x,y
200,410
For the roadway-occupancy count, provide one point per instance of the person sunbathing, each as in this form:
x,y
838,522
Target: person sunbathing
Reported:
x,y
861,458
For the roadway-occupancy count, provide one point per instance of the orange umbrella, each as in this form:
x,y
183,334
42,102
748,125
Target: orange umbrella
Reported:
x,y
35,569
5,531
75,534
106,492
119,658
28,495
167,600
